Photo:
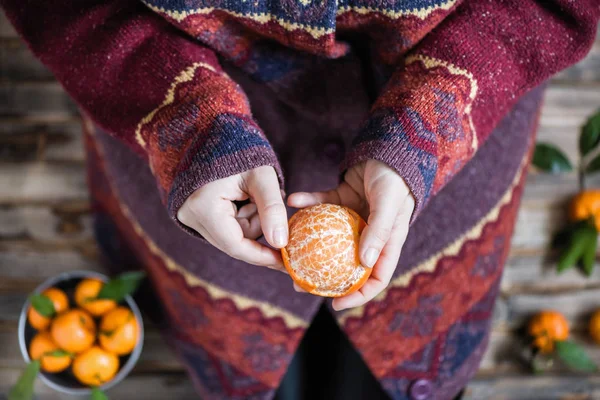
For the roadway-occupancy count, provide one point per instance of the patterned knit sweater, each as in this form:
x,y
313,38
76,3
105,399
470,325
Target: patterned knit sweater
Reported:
x,y
434,88
149,73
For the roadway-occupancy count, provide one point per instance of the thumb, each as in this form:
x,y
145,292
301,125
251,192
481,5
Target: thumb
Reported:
x,y
263,188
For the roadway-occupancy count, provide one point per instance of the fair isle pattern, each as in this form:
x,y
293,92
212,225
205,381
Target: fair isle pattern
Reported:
x,y
185,76
259,17
450,359
215,292
421,126
429,266
417,314
316,18
241,302
431,63
420,9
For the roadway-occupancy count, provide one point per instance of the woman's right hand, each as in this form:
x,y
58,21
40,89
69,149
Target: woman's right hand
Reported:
x,y
210,211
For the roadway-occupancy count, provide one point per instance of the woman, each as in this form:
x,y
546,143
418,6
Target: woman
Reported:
x,y
193,107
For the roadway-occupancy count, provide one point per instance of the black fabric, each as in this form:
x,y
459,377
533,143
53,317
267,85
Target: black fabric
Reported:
x,y
327,367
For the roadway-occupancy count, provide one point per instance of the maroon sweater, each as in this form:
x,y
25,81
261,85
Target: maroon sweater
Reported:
x,y
436,89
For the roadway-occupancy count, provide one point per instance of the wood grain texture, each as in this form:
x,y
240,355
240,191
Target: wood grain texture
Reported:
x,y
558,387
51,142
157,386
39,182
46,227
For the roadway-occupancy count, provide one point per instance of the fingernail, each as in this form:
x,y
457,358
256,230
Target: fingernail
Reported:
x,y
371,257
279,236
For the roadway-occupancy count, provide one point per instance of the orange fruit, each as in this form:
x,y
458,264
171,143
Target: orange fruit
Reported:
x,y
547,327
95,366
40,346
60,301
585,205
85,297
322,251
119,331
73,331
595,327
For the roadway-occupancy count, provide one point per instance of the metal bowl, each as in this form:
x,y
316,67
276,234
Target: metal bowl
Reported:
x,y
65,382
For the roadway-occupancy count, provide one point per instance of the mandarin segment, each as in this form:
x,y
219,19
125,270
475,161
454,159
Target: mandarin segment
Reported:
x,y
322,252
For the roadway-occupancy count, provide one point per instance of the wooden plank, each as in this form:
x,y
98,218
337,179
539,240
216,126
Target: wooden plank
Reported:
x,y
535,225
41,182
507,354
156,355
26,142
39,99
23,266
557,387
587,70
566,104
577,306
6,29
537,273
174,386
19,64
47,226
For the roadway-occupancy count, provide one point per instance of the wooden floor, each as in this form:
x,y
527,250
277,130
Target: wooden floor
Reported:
x,y
45,229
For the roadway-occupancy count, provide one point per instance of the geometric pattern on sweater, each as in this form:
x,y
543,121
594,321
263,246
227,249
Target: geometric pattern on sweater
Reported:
x,y
424,119
417,313
452,250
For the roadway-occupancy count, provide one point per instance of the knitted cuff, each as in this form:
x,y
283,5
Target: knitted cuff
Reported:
x,y
421,127
234,145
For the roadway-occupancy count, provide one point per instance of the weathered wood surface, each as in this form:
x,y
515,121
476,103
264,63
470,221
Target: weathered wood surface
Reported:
x,y
46,228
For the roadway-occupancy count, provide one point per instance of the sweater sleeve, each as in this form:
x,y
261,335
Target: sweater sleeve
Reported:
x,y
144,82
458,83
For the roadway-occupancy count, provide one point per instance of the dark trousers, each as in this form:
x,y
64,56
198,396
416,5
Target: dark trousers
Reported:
x,y
326,366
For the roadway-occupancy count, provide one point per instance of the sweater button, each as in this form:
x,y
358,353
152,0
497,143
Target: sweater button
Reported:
x,y
421,389
334,151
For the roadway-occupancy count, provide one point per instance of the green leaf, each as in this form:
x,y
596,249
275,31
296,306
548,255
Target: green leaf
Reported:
x,y
42,304
589,252
574,356
577,243
23,389
594,165
58,353
123,285
98,394
550,159
590,134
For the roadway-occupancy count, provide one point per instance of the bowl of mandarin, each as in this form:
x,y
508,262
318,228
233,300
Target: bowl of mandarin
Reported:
x,y
80,333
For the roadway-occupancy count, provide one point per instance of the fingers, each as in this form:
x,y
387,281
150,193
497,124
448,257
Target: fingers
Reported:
x,y
343,195
384,207
263,187
382,271
247,217
215,219
229,237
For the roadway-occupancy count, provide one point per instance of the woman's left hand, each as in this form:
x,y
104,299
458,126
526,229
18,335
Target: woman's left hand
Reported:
x,y
383,199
